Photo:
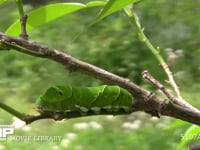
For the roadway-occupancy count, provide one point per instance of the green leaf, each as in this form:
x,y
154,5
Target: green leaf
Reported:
x,y
43,15
49,13
113,6
95,3
191,133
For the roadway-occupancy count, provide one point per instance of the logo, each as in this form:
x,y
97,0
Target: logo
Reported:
x,y
6,130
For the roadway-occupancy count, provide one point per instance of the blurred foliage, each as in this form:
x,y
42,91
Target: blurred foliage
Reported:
x,y
113,45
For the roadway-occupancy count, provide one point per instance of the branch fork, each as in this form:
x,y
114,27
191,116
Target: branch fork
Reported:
x,y
179,101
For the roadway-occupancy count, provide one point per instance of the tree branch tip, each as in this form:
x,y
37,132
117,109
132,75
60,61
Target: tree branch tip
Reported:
x,y
145,74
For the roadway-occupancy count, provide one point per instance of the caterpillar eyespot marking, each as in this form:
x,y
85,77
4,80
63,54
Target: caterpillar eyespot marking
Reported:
x,y
85,100
60,93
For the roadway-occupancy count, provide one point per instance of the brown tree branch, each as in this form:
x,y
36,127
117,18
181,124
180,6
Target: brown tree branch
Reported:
x,y
142,102
166,109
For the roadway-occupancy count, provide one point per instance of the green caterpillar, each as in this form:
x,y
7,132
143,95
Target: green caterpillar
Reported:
x,y
66,99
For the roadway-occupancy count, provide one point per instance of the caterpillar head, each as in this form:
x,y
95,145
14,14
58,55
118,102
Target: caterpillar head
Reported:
x,y
52,97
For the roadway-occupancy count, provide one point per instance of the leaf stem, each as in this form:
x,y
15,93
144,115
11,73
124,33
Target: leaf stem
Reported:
x,y
20,7
133,16
23,19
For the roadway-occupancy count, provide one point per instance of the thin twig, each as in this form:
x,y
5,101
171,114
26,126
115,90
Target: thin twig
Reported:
x,y
54,115
12,111
171,97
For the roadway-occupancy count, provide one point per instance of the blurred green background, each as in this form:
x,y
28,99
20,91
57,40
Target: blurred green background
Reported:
x,y
112,44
